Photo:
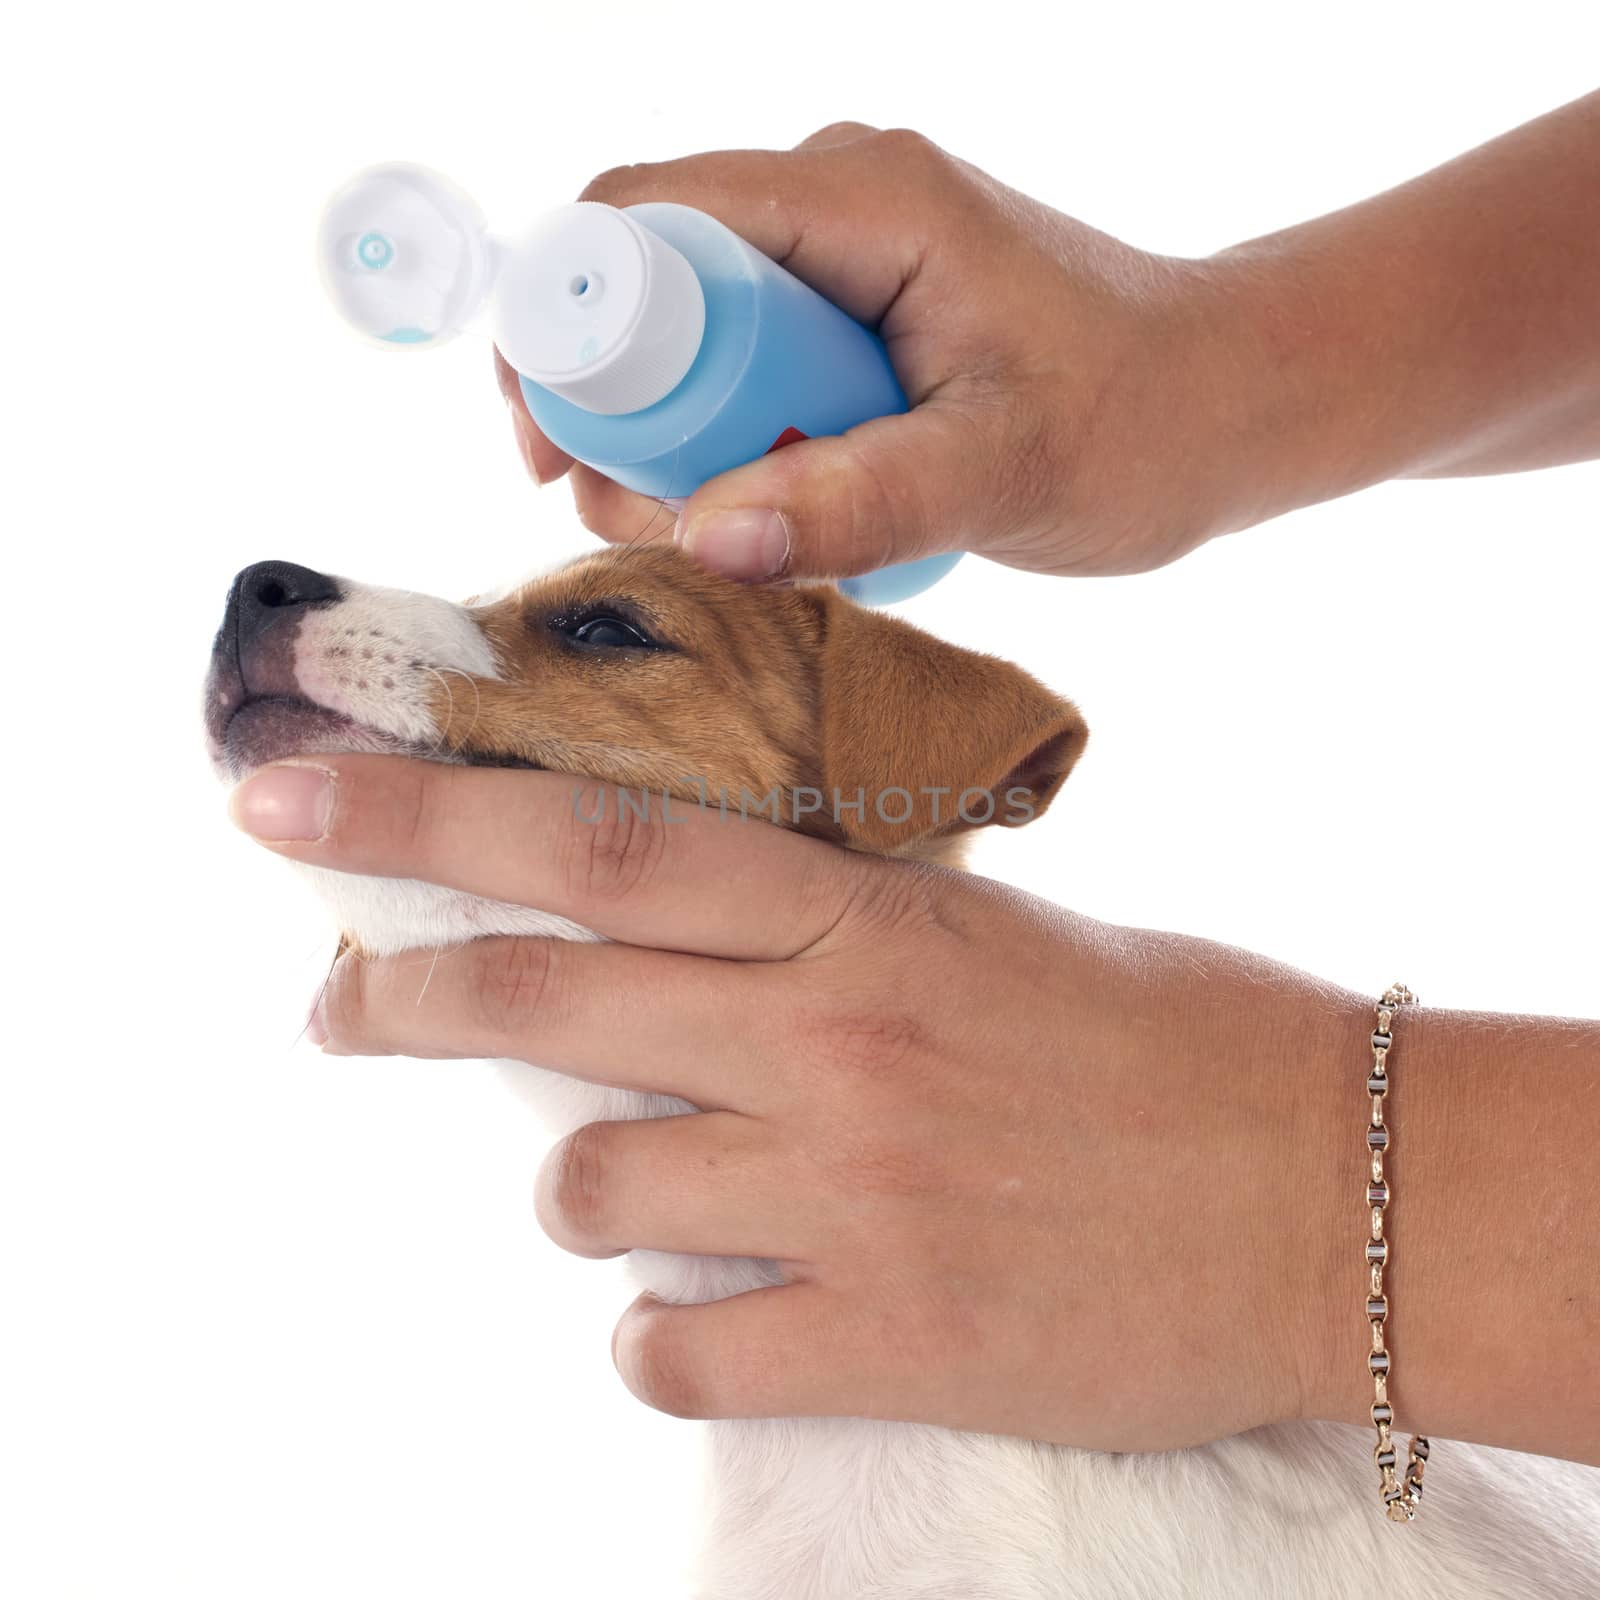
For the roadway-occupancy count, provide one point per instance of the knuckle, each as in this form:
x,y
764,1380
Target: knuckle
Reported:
x,y
833,132
659,1369
574,1193
892,507
408,806
513,980
906,144
619,852
614,182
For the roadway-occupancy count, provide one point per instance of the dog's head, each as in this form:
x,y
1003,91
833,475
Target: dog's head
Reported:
x,y
637,668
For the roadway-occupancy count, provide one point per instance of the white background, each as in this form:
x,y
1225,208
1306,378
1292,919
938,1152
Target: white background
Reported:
x,y
278,1325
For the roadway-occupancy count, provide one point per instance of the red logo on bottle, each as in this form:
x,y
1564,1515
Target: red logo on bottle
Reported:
x,y
788,436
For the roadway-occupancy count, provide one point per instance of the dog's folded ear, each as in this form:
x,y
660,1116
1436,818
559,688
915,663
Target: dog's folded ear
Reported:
x,y
932,739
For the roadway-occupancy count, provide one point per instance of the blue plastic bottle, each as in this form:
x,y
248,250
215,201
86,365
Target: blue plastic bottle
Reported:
x,y
653,344
776,362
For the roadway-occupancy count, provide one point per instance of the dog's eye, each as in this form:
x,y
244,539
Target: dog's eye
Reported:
x,y
609,632
603,624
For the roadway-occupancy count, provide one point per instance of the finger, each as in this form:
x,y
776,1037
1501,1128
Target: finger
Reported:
x,y
624,865
794,1351
809,209
543,460
894,489
619,515
836,133
701,1185
691,1027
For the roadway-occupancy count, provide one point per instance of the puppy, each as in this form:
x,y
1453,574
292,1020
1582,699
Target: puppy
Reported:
x,y
640,670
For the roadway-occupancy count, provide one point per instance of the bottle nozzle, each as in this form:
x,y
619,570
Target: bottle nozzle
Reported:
x,y
593,306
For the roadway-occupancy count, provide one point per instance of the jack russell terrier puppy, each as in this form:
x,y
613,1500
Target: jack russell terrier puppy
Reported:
x,y
636,668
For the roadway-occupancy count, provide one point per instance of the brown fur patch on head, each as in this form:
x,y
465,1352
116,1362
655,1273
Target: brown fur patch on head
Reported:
x,y
755,690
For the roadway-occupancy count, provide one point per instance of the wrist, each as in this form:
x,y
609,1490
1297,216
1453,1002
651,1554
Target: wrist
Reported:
x,y
1492,1218
1148,415
1290,370
1495,1318
1428,1106
1248,374
1321,1074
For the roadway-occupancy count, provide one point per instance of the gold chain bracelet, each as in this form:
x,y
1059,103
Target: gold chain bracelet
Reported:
x,y
1401,1495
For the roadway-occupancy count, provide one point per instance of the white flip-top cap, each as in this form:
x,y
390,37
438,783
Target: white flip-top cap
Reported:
x,y
598,309
588,303
405,255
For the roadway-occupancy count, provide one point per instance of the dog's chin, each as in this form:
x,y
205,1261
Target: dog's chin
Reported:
x,y
273,727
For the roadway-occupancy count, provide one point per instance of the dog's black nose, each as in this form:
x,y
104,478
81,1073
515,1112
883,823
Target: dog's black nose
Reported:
x,y
270,591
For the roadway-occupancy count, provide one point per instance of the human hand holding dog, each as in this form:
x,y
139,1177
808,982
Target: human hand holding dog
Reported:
x,y
1082,406
1024,1172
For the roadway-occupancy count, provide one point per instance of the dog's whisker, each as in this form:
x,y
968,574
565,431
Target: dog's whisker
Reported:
x,y
322,993
447,727
433,967
439,743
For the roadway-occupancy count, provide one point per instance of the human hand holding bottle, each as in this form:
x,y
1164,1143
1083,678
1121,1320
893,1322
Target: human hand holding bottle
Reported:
x,y
1082,406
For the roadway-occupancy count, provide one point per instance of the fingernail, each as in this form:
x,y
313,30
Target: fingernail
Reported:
x,y
288,801
746,545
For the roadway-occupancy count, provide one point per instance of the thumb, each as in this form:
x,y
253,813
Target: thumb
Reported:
x,y
894,489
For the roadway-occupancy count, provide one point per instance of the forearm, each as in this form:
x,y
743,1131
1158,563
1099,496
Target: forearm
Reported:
x,y
1449,326
1494,1281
